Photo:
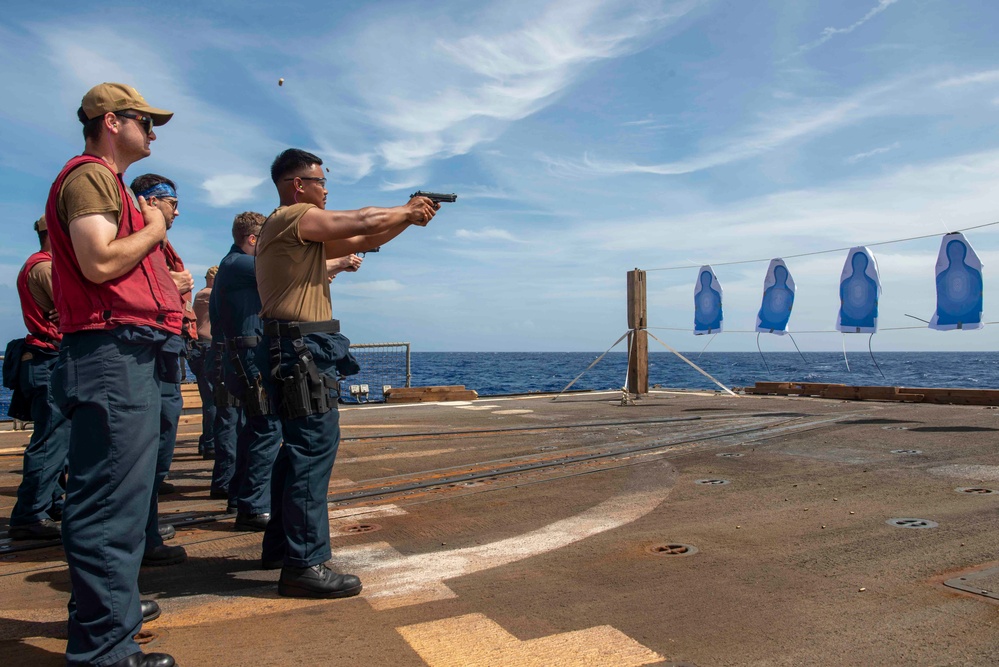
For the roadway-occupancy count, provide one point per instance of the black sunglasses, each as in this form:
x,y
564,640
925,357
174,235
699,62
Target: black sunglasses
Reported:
x,y
145,121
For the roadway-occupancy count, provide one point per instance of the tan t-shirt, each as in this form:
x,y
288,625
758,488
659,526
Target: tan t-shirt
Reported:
x,y
291,272
89,189
40,285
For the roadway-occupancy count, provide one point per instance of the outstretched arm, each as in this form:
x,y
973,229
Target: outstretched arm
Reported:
x,y
355,244
324,226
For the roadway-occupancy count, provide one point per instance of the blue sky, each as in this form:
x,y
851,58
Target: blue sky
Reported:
x,y
585,138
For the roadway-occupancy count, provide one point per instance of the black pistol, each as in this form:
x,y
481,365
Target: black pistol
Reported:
x,y
365,252
435,197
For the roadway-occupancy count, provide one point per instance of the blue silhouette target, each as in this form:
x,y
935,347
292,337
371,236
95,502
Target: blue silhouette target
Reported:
x,y
859,293
778,299
959,286
707,303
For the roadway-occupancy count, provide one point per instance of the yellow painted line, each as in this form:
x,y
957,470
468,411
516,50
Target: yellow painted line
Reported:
x,y
347,427
357,513
395,455
474,639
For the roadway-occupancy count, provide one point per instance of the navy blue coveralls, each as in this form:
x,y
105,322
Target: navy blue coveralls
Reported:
x,y
260,437
227,417
40,489
299,530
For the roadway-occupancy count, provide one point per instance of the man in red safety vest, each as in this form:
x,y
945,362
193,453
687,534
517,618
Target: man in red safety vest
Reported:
x,y
120,315
39,496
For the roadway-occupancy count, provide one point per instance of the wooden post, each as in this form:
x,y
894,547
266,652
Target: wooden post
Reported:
x,y
638,337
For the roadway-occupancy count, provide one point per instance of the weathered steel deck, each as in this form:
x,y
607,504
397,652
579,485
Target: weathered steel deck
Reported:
x,y
518,531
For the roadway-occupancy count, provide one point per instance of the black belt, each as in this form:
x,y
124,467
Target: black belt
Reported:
x,y
299,329
242,342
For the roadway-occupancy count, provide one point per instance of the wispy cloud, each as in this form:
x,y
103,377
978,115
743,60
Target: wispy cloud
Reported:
x,y
853,159
487,234
904,203
230,188
500,67
829,33
411,183
772,132
990,76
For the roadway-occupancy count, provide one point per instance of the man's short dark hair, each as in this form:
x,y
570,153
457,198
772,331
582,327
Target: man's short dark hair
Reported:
x,y
245,225
290,162
147,181
42,235
91,126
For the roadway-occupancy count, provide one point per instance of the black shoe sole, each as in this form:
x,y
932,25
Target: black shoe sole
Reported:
x,y
293,591
24,537
164,561
249,528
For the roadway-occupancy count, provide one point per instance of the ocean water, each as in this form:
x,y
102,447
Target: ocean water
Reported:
x,y
492,373
496,373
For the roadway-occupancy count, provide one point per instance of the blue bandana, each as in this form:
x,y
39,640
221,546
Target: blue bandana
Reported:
x,y
159,190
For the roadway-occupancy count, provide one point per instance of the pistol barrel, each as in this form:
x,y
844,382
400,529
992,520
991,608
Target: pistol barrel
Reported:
x,y
436,197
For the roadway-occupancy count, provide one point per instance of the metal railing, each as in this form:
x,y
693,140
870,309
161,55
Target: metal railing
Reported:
x,y
383,365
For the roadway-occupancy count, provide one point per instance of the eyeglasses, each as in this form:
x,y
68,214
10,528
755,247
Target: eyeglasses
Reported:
x,y
320,181
171,202
145,121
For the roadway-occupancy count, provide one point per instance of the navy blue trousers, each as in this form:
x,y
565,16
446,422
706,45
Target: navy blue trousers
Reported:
x,y
45,457
206,389
171,405
256,450
227,423
107,385
225,428
257,444
299,529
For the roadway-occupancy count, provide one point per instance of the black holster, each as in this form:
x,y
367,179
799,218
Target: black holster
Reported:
x,y
223,398
306,391
255,399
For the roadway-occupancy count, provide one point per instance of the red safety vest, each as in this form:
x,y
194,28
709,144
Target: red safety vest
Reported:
x,y
190,327
42,332
145,295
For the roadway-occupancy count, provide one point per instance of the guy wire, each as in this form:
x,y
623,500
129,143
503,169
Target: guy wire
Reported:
x,y
820,252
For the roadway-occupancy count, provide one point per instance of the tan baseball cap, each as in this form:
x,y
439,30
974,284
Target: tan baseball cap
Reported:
x,y
211,272
40,225
111,97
